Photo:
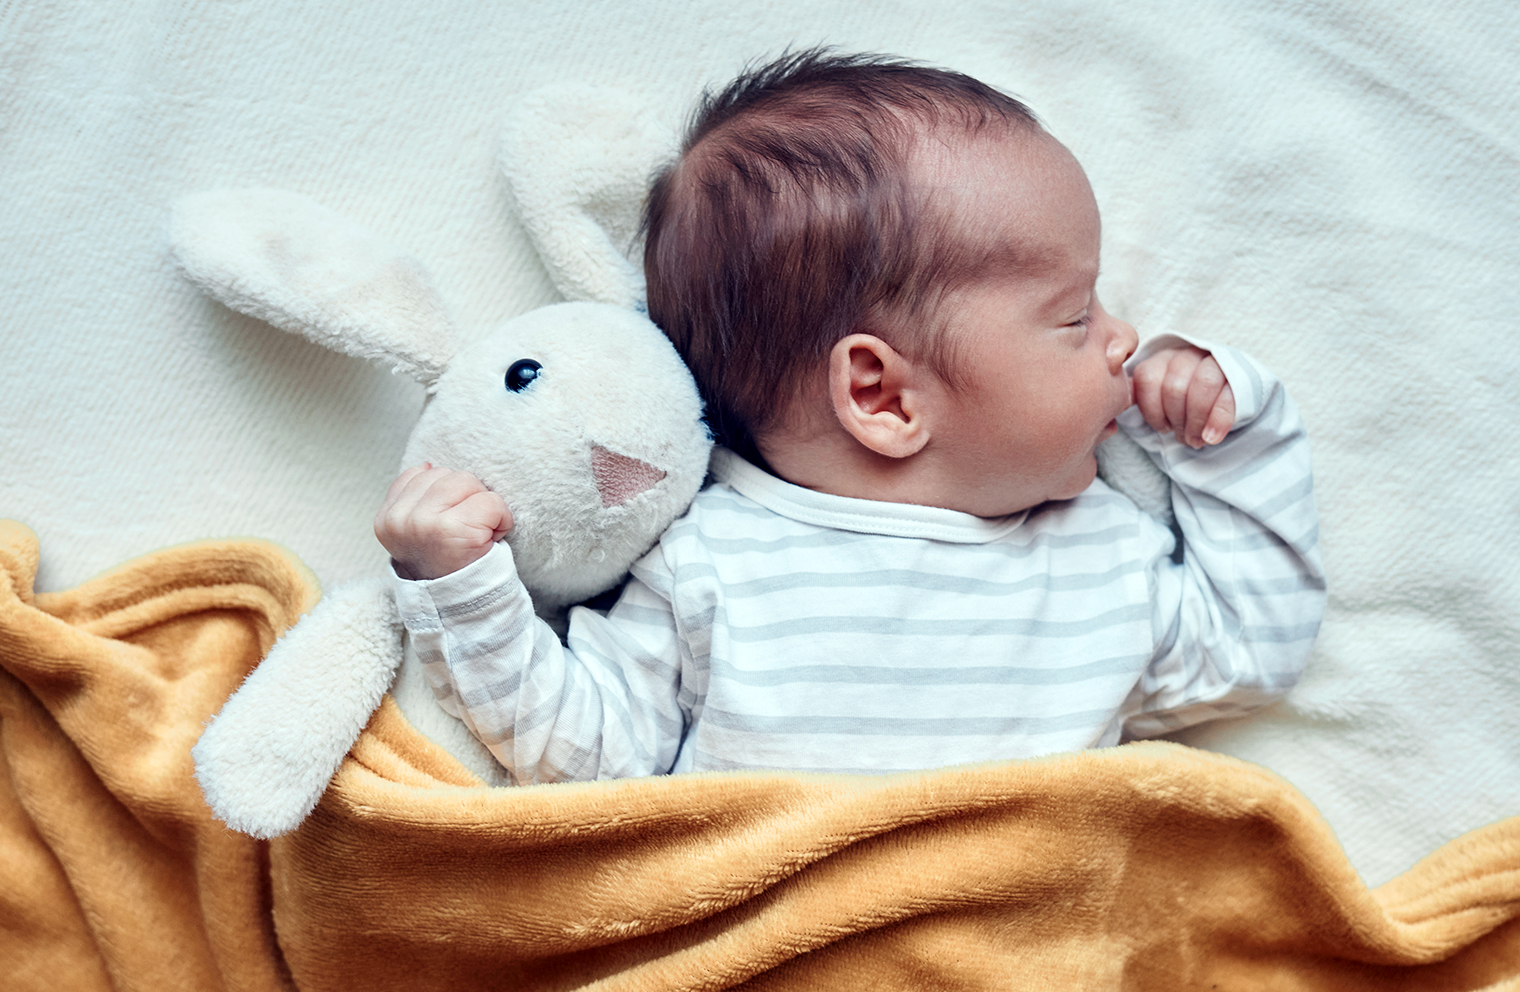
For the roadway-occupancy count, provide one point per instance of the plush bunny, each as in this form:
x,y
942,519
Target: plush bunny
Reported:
x,y
580,415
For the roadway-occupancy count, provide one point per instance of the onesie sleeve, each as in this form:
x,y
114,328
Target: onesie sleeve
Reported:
x,y
607,706
1238,603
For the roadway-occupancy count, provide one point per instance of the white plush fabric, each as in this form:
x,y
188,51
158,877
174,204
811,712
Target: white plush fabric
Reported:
x,y
1330,186
277,256
264,776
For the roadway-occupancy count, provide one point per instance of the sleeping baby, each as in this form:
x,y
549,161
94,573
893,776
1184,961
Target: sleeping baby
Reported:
x,y
882,277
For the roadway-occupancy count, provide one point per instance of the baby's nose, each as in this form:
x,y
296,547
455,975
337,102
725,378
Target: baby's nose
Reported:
x,y
1121,346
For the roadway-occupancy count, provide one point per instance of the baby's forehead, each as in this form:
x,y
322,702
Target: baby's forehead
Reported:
x,y
1025,163
1014,202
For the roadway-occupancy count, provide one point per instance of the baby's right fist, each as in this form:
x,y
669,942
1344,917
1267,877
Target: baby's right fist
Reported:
x,y
1183,390
435,521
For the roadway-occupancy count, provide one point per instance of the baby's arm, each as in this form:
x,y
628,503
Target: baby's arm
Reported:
x,y
606,708
1235,619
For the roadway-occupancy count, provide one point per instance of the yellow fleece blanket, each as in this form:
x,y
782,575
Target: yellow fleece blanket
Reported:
x,y
1141,867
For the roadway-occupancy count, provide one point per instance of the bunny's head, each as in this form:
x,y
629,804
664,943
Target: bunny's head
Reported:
x,y
583,418
580,415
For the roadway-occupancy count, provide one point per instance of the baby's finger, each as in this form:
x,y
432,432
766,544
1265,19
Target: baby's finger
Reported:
x,y
403,498
1203,391
446,489
402,480
1174,389
399,500
487,511
1146,380
1221,417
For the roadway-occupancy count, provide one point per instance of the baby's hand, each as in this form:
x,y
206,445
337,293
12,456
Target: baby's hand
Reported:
x,y
435,521
1184,390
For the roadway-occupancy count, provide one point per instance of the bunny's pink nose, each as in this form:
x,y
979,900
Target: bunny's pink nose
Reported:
x,y
620,478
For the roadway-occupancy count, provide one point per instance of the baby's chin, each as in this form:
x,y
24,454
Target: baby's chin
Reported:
x,y
1082,477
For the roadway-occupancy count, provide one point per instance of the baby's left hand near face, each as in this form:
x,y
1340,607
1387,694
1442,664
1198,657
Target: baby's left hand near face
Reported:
x,y
435,521
1183,390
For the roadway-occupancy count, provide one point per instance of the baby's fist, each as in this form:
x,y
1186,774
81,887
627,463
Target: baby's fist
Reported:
x,y
1183,390
435,521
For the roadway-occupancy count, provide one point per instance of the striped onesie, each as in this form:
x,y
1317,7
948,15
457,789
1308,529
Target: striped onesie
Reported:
x,y
778,627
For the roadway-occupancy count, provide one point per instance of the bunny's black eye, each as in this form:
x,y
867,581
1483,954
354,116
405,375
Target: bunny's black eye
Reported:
x,y
522,374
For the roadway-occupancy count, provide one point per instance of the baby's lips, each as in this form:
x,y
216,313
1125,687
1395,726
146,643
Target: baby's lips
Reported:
x,y
619,478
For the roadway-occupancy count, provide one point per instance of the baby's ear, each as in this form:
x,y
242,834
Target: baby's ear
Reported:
x,y
283,258
577,160
873,391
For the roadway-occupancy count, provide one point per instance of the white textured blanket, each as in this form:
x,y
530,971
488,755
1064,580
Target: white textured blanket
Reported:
x,y
1333,187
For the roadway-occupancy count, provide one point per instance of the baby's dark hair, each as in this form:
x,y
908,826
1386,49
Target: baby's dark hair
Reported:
x,y
788,223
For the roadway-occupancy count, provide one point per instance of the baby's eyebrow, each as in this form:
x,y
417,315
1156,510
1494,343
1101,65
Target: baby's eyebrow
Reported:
x,y
1081,284
1005,259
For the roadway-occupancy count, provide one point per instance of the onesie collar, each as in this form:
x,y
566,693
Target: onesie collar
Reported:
x,y
863,516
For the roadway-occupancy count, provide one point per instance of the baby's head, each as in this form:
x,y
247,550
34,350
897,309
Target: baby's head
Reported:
x,y
881,276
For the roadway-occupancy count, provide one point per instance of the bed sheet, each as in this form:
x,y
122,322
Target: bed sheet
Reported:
x,y
1334,187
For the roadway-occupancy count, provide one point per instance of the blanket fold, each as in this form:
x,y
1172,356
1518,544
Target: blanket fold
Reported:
x,y
132,883
1141,867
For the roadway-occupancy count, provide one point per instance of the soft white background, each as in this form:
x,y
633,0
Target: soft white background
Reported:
x,y
1333,186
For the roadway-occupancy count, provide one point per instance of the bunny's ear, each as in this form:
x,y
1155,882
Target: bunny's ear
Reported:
x,y
283,258
577,160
